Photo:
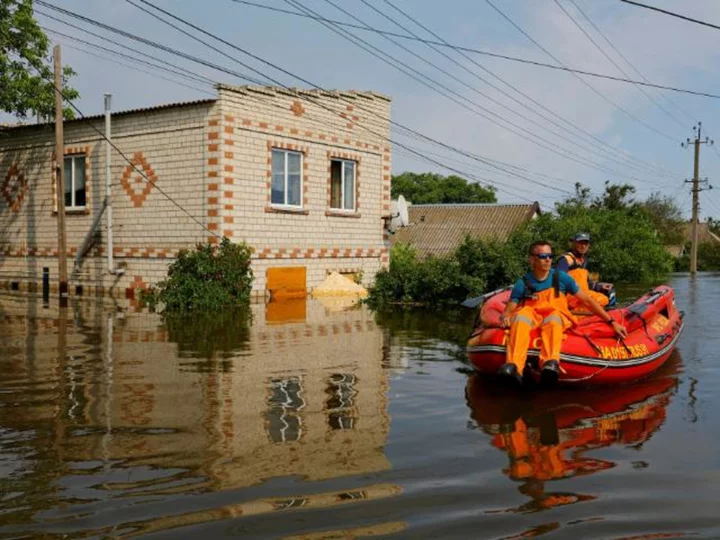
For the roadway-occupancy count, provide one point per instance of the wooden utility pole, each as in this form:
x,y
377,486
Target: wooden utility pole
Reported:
x,y
60,172
697,141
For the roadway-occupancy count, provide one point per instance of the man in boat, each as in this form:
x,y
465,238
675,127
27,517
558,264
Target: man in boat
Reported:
x,y
539,299
574,263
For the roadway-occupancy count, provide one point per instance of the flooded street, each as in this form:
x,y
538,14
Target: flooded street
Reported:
x,y
312,421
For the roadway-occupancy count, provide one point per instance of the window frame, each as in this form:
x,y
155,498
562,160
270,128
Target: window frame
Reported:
x,y
71,181
343,161
286,152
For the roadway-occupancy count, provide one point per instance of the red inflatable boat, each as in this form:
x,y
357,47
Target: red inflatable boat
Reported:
x,y
591,354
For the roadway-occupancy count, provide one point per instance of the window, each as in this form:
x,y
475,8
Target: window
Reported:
x,y
284,405
75,182
342,184
341,401
286,178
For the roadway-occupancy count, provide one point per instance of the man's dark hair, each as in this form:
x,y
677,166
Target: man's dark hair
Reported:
x,y
538,243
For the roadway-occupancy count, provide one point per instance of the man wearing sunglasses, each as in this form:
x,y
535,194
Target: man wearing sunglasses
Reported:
x,y
539,299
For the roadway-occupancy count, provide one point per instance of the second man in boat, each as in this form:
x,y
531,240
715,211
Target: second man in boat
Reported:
x,y
540,299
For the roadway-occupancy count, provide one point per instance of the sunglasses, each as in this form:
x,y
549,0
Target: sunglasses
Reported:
x,y
543,256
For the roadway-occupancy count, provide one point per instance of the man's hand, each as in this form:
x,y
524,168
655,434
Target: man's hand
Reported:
x,y
505,320
620,330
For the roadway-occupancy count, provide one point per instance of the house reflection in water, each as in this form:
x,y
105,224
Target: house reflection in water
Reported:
x,y
547,436
305,397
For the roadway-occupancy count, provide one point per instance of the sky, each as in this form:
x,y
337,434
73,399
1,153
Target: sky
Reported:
x,y
561,130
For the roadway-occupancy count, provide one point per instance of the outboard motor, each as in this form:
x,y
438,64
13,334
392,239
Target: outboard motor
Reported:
x,y
608,289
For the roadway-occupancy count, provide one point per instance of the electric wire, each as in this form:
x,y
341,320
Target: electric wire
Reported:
x,y
599,143
627,60
487,53
274,66
594,90
677,15
143,40
119,62
614,63
530,137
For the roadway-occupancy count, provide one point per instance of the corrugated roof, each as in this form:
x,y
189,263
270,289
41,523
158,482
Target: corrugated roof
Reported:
x,y
117,113
437,229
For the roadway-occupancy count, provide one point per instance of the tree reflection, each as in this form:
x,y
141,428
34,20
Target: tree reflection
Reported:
x,y
208,335
547,436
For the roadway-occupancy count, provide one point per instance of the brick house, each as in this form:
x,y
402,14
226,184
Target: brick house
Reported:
x,y
293,173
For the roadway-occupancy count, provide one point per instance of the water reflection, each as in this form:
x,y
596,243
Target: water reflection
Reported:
x,y
549,436
103,411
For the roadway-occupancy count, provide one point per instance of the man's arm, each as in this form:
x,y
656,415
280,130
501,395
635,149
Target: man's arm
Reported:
x,y
598,310
505,317
563,265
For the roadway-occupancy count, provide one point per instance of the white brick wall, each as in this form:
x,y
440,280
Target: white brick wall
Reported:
x,y
212,159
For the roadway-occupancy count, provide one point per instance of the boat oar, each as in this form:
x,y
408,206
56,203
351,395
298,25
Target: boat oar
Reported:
x,y
472,303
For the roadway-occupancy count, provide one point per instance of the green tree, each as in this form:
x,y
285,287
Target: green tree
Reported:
x,y
666,217
431,188
26,75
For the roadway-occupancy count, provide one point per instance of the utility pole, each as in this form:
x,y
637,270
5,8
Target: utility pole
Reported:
x,y
60,171
697,141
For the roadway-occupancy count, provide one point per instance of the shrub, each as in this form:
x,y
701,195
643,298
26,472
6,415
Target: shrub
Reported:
x,y
206,279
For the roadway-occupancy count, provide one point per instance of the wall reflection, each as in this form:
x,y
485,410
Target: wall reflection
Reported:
x,y
549,436
198,405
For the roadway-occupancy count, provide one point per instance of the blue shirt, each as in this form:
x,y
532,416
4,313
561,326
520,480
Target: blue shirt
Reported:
x,y
566,285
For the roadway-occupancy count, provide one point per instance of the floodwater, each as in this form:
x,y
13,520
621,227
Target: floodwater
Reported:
x,y
318,422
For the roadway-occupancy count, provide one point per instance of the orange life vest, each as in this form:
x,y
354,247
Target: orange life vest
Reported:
x,y
552,299
578,271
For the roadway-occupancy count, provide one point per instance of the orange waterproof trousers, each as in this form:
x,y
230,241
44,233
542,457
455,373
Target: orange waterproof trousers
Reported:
x,y
552,326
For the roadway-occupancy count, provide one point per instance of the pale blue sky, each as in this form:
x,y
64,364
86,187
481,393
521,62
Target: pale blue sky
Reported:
x,y
666,50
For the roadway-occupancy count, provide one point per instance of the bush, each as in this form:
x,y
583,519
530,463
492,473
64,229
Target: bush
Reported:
x,y
476,265
206,279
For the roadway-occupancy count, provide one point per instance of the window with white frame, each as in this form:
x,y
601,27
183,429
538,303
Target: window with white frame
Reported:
x,y
342,184
287,179
75,186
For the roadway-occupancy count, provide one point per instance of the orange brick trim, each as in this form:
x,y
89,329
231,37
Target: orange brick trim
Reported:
x,y
323,137
138,196
213,175
334,154
14,187
297,108
305,151
145,252
317,253
69,151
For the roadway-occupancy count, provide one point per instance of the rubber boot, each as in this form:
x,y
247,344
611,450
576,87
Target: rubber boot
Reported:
x,y
550,373
510,373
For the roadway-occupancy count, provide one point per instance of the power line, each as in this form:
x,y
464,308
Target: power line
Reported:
x,y
544,143
145,41
625,58
666,12
188,74
121,55
487,53
609,58
595,90
600,144
122,154
274,66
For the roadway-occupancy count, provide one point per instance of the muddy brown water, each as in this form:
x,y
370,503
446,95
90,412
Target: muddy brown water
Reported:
x,y
315,421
